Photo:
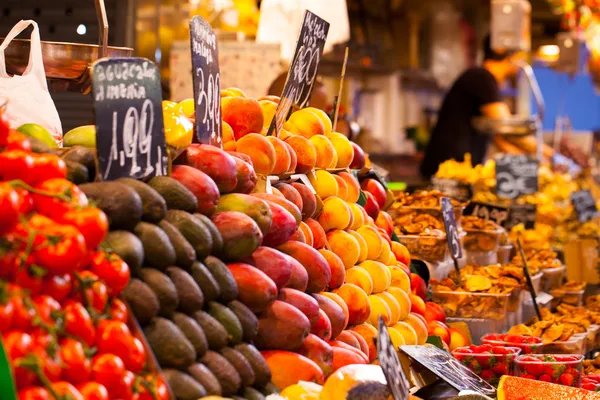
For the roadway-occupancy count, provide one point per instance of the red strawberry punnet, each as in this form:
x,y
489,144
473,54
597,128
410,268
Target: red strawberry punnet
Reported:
x,y
487,361
561,369
527,344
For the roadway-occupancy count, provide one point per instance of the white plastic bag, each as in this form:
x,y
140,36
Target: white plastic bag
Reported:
x,y
27,95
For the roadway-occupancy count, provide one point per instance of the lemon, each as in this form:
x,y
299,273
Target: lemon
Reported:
x,y
38,132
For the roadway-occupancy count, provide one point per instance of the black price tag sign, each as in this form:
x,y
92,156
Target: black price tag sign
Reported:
x,y
451,230
516,176
303,69
522,214
130,138
497,214
585,205
453,188
207,82
390,363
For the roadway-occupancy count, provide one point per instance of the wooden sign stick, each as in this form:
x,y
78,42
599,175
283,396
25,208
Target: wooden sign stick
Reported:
x,y
339,96
529,282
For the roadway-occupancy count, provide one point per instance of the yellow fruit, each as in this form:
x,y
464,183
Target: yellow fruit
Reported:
x,y
168,106
379,274
396,337
302,391
343,149
393,306
179,130
335,214
344,379
186,107
324,183
81,136
323,117
371,236
402,299
345,246
400,278
379,308
386,256
325,151
342,188
364,250
407,332
358,215
361,278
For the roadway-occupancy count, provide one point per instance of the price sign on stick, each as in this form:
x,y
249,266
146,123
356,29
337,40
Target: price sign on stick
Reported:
x,y
497,214
207,82
387,354
451,233
516,176
585,205
303,69
529,282
130,138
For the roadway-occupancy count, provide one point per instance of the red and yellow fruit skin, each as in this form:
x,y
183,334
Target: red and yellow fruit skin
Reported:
x,y
288,368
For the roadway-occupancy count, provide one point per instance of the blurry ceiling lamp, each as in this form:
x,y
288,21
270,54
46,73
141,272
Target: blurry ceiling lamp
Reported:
x,y
280,22
548,52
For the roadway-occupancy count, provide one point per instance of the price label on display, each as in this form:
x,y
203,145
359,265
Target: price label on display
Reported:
x,y
451,229
497,214
207,82
522,214
516,176
445,366
452,188
585,205
130,138
390,363
303,69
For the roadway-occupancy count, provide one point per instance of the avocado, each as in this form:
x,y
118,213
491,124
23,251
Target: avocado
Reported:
x,y
252,394
206,378
169,344
228,377
183,386
214,232
177,196
241,365
190,296
184,252
269,389
258,363
37,146
129,247
193,332
216,335
142,301
193,230
154,206
158,250
77,173
83,156
227,284
228,320
247,319
165,290
121,204
204,279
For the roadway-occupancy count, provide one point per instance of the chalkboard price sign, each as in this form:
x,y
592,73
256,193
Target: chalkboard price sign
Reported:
x,y
516,176
522,214
451,230
453,188
207,82
497,214
585,205
130,137
390,363
303,69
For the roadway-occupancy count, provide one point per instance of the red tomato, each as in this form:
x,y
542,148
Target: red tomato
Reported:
x,y
41,338
16,141
17,344
51,366
58,286
136,357
123,388
118,310
6,316
9,208
112,270
108,369
46,308
64,250
48,166
89,285
29,277
16,164
90,221
22,315
34,393
67,391
8,258
77,368
79,323
25,200
114,337
158,389
93,391
70,197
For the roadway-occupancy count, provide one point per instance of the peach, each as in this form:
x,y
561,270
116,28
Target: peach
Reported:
x,y
305,123
327,124
437,328
318,234
364,347
282,156
335,214
338,271
364,250
371,206
385,222
403,301
368,333
349,339
419,327
376,189
458,339
272,98
379,274
260,150
289,368
358,160
343,149
227,137
298,236
358,218
417,305
400,278
357,301
379,308
386,257
407,332
434,312
324,183
243,114
325,151
233,92
342,188
371,236
401,252
353,186
276,192
385,237
293,157
392,304
418,286
306,154
268,108
340,302
360,277
345,246
308,236
309,201
396,337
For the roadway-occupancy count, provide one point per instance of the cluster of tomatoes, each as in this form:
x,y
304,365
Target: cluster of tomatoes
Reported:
x,y
63,328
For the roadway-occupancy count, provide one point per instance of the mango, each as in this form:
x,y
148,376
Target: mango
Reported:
x,y
322,328
364,347
281,327
290,194
283,226
307,233
281,201
349,339
202,187
246,177
241,235
289,368
368,333
256,290
299,279
334,313
318,234
340,302
338,270
315,264
241,156
357,301
343,357
299,236
273,263
335,214
252,206
302,301
345,246
214,162
309,201
244,115
318,351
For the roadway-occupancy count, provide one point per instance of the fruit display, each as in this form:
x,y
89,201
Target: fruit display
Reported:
x,y
527,344
561,369
481,235
487,361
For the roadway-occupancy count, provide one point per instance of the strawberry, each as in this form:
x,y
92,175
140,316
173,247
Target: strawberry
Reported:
x,y
500,369
501,350
534,369
545,378
475,366
591,386
567,379
558,369
527,376
487,375
548,369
